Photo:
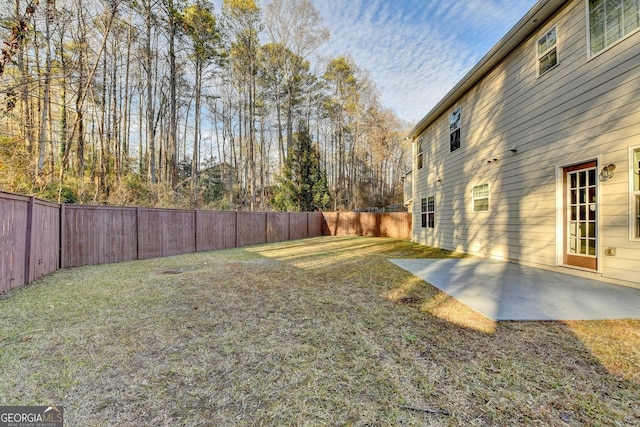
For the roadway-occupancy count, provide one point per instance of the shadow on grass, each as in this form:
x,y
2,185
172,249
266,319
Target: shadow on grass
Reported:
x,y
317,332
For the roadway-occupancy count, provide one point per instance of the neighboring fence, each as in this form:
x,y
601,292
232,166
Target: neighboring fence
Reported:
x,y
37,237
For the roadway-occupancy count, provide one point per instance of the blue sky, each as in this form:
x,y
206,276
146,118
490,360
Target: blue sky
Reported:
x,y
416,50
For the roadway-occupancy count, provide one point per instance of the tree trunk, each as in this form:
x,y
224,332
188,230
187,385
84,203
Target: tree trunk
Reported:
x,y
42,146
150,113
195,161
172,154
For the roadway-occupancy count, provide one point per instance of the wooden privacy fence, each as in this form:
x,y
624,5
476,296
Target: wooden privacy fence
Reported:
x,y
37,237
373,224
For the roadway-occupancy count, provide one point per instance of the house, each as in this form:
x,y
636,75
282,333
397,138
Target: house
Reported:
x,y
534,156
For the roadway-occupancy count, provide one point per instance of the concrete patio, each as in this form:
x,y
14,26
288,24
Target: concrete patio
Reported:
x,y
508,291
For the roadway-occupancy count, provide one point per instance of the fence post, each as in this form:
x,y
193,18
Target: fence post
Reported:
x,y
236,227
195,229
63,252
137,233
27,250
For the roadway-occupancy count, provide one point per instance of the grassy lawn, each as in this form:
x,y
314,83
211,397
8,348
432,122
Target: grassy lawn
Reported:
x,y
322,331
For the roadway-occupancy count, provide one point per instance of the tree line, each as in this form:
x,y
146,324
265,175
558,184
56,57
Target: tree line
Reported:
x,y
172,103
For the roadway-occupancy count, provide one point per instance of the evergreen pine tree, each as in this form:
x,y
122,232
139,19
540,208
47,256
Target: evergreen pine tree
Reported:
x,y
302,186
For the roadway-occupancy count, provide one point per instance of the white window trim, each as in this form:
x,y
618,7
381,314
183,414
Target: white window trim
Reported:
x,y
424,217
632,197
459,107
473,198
431,212
591,56
555,46
419,152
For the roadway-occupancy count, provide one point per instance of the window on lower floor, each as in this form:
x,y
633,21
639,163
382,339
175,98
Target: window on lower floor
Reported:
x,y
611,21
428,212
634,179
431,212
481,198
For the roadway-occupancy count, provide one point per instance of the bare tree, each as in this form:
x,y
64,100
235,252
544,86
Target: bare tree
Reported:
x,y
296,26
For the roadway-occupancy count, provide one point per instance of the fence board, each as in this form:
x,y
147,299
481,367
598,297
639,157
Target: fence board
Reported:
x,y
216,230
98,235
13,244
298,226
340,224
252,228
396,224
314,224
369,224
278,224
45,240
165,232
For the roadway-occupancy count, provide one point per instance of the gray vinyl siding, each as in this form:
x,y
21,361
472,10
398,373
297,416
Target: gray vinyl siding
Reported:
x,y
579,111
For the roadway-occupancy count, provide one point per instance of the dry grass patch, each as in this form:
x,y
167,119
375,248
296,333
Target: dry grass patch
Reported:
x,y
322,331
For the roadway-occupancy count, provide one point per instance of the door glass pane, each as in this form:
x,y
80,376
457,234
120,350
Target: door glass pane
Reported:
x,y
582,203
638,216
582,249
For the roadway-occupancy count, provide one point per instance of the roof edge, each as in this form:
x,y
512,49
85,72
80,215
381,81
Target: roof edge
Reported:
x,y
533,20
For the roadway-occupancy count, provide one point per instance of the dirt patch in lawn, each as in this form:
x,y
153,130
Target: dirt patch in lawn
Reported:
x,y
321,331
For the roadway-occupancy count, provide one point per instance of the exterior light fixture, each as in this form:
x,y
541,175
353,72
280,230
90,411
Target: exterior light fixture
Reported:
x,y
607,172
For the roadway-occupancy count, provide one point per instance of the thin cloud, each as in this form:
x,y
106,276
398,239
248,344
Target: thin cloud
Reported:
x,y
416,50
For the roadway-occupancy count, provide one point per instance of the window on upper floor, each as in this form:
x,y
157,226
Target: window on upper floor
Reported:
x,y
547,51
634,179
454,130
610,21
481,198
420,151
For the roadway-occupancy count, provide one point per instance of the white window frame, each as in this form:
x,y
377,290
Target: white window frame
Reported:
x,y
606,47
454,130
420,154
541,55
423,213
634,194
482,197
431,212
